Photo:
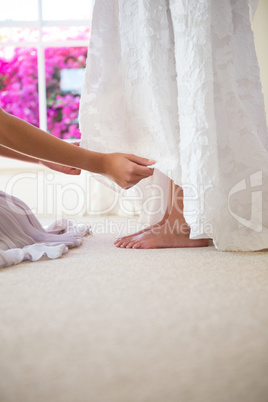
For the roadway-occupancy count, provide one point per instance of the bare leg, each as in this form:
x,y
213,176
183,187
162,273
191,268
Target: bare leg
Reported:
x,y
174,232
118,242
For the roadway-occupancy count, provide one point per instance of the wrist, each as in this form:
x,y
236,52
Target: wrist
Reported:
x,y
95,162
105,163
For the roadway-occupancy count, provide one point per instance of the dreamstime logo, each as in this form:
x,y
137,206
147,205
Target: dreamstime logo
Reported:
x,y
255,221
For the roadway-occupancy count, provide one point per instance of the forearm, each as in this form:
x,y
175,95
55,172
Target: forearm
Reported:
x,y
9,153
23,138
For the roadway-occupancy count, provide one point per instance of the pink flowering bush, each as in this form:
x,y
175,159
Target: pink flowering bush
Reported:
x,y
19,87
19,84
62,108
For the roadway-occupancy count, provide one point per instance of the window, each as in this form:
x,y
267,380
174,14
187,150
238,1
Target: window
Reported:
x,y
42,61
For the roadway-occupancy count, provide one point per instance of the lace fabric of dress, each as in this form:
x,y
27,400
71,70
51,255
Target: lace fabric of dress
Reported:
x,y
179,82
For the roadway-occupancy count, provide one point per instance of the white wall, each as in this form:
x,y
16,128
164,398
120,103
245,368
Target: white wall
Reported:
x,y
260,28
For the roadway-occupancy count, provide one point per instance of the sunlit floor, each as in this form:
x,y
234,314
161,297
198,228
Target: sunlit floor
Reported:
x,y
103,324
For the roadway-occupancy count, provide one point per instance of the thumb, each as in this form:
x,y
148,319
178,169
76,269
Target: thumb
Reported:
x,y
140,161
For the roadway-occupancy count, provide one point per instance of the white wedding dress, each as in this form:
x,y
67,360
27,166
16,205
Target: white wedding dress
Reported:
x,y
178,81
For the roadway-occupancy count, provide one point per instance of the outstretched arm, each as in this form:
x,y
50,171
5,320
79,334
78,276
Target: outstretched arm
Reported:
x,y
17,135
9,153
23,138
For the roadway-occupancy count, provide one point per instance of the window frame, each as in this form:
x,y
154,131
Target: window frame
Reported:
x,y
40,45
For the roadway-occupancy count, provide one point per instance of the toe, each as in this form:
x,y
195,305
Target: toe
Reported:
x,y
137,245
121,238
118,244
124,244
130,245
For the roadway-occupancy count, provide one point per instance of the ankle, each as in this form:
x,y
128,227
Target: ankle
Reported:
x,y
177,227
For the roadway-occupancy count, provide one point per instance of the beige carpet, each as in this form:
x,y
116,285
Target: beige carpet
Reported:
x,y
103,324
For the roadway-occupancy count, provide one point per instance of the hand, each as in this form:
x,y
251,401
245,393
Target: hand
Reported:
x,y
127,170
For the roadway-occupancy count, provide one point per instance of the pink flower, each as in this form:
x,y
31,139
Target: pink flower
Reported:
x,y
19,86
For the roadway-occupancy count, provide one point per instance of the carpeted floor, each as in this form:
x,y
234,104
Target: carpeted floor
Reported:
x,y
103,324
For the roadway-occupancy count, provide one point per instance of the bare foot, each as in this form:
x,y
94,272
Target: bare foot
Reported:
x,y
127,239
164,236
171,232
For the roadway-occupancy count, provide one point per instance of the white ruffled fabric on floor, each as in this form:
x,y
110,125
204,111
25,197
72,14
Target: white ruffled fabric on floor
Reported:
x,y
22,237
178,82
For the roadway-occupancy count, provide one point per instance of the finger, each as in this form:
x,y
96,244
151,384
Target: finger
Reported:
x,y
142,171
135,180
136,177
140,161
